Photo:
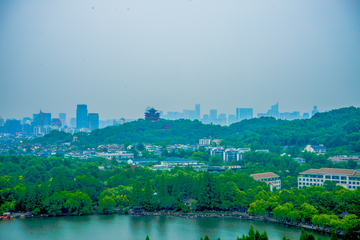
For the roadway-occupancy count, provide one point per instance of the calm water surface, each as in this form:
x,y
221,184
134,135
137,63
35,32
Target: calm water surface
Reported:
x,y
136,228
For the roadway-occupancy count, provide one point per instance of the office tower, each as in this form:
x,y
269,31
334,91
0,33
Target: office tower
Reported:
x,y
176,115
62,117
238,114
13,126
314,111
273,112
27,128
305,115
56,122
26,120
170,115
73,122
206,119
2,122
197,111
213,115
231,119
246,113
93,121
222,119
186,114
34,116
192,114
81,116
42,119
294,115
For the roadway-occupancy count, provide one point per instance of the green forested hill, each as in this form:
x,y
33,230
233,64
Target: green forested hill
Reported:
x,y
336,128
340,127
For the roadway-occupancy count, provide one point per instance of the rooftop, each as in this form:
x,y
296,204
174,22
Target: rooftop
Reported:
x,y
264,175
330,171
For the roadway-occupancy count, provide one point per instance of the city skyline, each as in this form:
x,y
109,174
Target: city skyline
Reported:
x,y
120,57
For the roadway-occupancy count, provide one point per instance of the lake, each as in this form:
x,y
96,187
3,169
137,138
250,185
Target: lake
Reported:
x,y
136,228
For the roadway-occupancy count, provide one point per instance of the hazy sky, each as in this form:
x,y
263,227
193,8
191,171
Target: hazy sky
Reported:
x,y
119,57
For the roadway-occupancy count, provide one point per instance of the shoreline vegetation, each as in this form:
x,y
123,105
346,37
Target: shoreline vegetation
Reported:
x,y
195,215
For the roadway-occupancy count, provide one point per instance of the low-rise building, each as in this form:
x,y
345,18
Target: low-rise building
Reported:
x,y
300,160
318,149
344,158
119,155
272,179
348,178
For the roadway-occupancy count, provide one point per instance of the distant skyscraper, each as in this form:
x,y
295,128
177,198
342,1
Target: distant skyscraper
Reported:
x,y
34,116
2,122
222,119
231,119
13,126
314,111
246,113
306,115
62,117
93,121
42,119
186,114
197,111
192,114
213,115
82,116
73,122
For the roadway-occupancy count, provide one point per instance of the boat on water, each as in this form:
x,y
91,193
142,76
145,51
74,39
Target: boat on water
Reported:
x,y
6,217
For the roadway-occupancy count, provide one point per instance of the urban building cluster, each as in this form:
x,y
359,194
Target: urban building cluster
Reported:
x,y
42,123
240,114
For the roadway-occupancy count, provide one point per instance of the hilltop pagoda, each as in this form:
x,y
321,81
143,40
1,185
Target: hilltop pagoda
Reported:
x,y
152,115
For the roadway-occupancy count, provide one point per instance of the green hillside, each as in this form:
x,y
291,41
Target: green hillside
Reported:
x,y
336,128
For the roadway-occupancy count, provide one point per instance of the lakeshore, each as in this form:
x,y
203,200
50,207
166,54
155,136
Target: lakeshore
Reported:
x,y
130,227
242,216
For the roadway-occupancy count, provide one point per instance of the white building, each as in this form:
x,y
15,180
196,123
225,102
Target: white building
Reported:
x,y
119,155
231,155
272,179
217,151
347,178
319,149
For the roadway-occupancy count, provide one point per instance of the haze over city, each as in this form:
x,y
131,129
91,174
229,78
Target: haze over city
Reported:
x,y
120,57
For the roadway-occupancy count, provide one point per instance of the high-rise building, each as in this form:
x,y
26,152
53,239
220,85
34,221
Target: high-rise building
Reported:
x,y
222,119
62,117
231,119
73,122
2,122
13,126
82,116
93,121
192,114
186,113
42,119
314,111
306,115
197,111
213,115
246,113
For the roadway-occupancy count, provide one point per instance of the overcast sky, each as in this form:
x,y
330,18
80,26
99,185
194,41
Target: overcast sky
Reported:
x,y
119,57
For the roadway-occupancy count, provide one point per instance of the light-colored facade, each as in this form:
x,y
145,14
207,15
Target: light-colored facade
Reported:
x,y
348,178
272,179
319,149
218,151
119,155
231,155
344,158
